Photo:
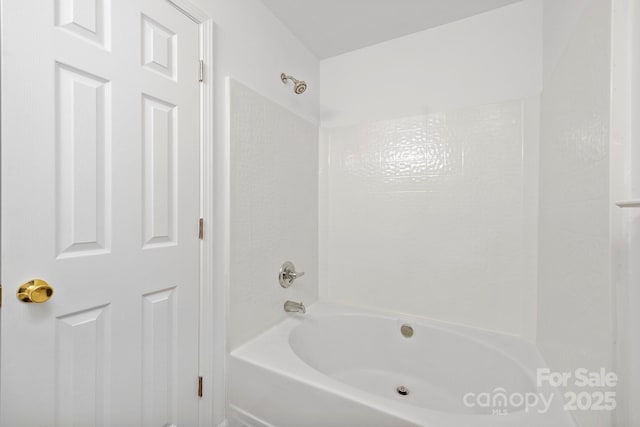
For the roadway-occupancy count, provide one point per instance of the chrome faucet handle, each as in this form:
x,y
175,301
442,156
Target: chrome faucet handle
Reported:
x,y
288,274
296,274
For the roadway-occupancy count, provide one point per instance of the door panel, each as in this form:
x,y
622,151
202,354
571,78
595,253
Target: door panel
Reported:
x,y
83,147
100,197
82,367
159,176
159,351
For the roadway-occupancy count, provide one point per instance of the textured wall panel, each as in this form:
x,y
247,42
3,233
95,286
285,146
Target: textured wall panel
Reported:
x,y
274,211
575,318
425,215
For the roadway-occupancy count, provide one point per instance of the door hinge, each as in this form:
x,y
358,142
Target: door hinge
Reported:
x,y
0,295
200,386
201,71
201,229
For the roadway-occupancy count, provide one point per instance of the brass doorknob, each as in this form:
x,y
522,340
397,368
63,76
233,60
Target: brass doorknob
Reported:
x,y
35,291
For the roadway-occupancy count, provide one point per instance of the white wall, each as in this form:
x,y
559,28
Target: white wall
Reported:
x,y
426,203
274,211
490,57
253,47
575,304
560,19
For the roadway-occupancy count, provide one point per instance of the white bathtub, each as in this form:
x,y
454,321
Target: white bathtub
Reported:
x,y
338,366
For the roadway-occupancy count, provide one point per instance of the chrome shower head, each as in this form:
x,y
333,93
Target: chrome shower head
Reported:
x,y
299,86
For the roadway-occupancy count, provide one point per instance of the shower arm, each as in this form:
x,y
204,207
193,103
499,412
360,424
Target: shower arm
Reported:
x,y
285,77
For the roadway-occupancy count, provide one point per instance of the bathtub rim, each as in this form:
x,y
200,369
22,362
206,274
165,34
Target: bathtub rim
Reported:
x,y
271,351
454,329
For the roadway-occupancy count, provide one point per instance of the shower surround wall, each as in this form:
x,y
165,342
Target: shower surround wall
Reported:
x,y
429,193
274,210
575,296
427,215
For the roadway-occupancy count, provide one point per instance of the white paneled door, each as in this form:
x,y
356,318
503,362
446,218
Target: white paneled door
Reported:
x,y
100,199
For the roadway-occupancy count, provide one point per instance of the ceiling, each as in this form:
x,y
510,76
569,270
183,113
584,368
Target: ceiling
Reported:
x,y
332,27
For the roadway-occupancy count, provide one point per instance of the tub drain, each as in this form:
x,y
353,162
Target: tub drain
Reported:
x,y
402,390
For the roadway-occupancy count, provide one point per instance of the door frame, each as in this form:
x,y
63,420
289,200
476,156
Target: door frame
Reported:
x,y
210,403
